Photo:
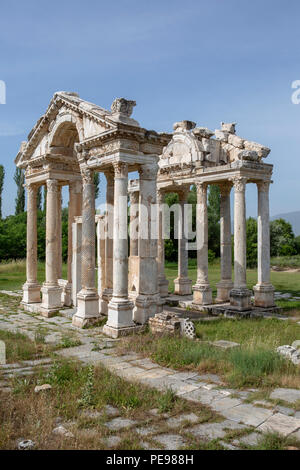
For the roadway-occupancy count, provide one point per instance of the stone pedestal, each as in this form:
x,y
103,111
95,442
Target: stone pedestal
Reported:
x,y
119,307
163,283
202,293
31,288
240,296
263,291
87,299
51,292
225,285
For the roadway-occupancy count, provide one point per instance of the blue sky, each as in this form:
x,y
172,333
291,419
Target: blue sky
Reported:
x,y
206,61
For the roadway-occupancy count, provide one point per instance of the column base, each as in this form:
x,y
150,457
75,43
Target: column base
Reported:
x,y
183,286
163,286
264,295
51,300
120,313
104,301
113,332
31,293
240,298
87,309
66,295
223,291
146,306
202,294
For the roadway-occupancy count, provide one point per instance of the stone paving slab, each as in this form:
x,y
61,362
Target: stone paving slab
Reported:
x,y
250,440
206,397
225,404
179,420
170,441
281,424
289,395
215,430
120,423
248,414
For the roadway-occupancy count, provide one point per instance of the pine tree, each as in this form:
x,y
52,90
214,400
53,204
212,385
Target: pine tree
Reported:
x,y
20,199
2,174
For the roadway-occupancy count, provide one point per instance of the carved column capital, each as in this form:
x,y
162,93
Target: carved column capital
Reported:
x,y
225,187
148,171
183,194
239,183
87,175
109,175
52,186
121,169
263,186
201,187
75,187
31,189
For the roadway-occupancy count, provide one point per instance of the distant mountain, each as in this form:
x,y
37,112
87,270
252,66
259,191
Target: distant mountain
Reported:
x,y
291,217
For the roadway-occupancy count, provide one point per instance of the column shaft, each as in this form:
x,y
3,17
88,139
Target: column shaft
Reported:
x,y
148,296
183,285
31,288
240,296
202,290
59,234
163,283
263,291
225,285
133,280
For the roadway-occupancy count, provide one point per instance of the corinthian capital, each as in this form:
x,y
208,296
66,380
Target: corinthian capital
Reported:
x,y
121,170
87,175
31,189
263,186
239,183
148,171
52,186
225,187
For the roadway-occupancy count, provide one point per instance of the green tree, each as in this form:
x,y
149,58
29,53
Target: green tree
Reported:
x,y
282,238
213,215
20,199
251,234
2,174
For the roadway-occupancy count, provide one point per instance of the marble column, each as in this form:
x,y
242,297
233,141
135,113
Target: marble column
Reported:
x,y
202,290
74,210
148,300
59,234
87,299
225,285
263,291
133,281
101,256
183,285
163,283
109,242
51,292
76,260
240,296
120,308
31,288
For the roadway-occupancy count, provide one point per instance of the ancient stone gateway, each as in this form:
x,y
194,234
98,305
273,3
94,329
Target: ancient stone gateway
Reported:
x,y
75,138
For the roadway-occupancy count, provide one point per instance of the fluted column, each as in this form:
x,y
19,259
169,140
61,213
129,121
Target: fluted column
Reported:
x,y
202,290
31,288
148,297
133,270
263,291
240,296
51,292
163,283
120,308
183,285
109,223
101,257
87,298
225,285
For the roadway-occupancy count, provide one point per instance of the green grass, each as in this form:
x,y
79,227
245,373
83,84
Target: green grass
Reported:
x,y
254,363
20,348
